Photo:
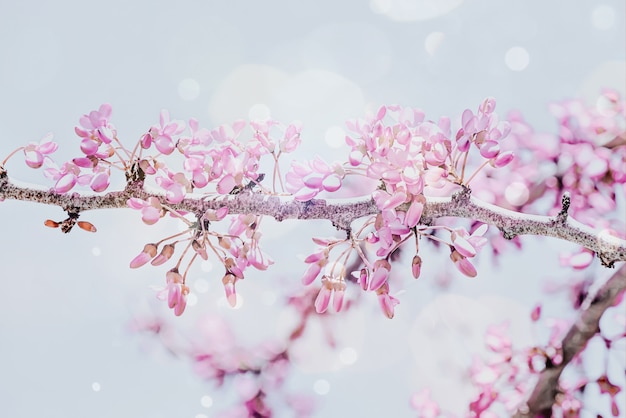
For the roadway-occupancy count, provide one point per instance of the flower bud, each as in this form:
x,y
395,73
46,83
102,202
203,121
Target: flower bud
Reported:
x,y
166,254
416,266
149,251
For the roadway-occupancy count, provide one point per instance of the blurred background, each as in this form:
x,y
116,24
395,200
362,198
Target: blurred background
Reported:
x,y
70,302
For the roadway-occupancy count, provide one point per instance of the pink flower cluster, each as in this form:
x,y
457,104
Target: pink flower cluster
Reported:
x,y
409,157
586,159
97,136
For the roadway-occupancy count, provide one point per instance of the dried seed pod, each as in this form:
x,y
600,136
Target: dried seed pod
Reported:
x,y
87,226
51,224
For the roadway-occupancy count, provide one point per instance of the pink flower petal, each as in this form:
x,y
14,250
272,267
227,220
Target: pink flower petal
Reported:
x,y
414,214
338,300
226,184
463,246
332,183
164,144
322,300
100,182
65,183
378,278
150,215
311,274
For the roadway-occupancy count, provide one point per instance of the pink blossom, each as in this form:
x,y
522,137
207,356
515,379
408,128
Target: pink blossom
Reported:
x,y
175,186
229,281
164,134
306,181
151,210
380,274
96,125
166,253
463,264
416,266
484,400
177,291
468,245
291,139
535,313
66,177
386,301
311,274
424,404
577,261
35,153
147,254
331,288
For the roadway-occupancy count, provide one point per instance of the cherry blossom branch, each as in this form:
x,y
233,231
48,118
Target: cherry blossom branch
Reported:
x,y
586,326
342,212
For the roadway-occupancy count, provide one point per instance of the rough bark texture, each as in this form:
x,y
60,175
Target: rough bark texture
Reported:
x,y
587,325
341,212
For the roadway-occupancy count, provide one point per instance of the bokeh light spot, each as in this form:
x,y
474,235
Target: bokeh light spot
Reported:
x,y
95,386
188,89
603,17
433,42
348,355
206,266
517,58
96,251
413,10
335,137
516,193
321,386
206,401
259,111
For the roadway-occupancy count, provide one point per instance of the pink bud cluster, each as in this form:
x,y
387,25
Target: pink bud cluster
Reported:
x,y
409,157
586,159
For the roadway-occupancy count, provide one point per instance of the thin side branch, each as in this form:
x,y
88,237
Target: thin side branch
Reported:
x,y
586,326
341,212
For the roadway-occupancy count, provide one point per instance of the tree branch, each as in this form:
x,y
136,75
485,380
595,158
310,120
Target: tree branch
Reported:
x,y
586,326
341,212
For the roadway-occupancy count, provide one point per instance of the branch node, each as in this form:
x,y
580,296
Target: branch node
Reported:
x,y
508,234
463,195
565,202
606,261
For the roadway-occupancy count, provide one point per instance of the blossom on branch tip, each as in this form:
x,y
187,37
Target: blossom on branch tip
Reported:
x,y
96,126
380,274
34,153
416,266
468,245
148,253
332,287
229,281
177,291
166,253
386,301
163,135
463,264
